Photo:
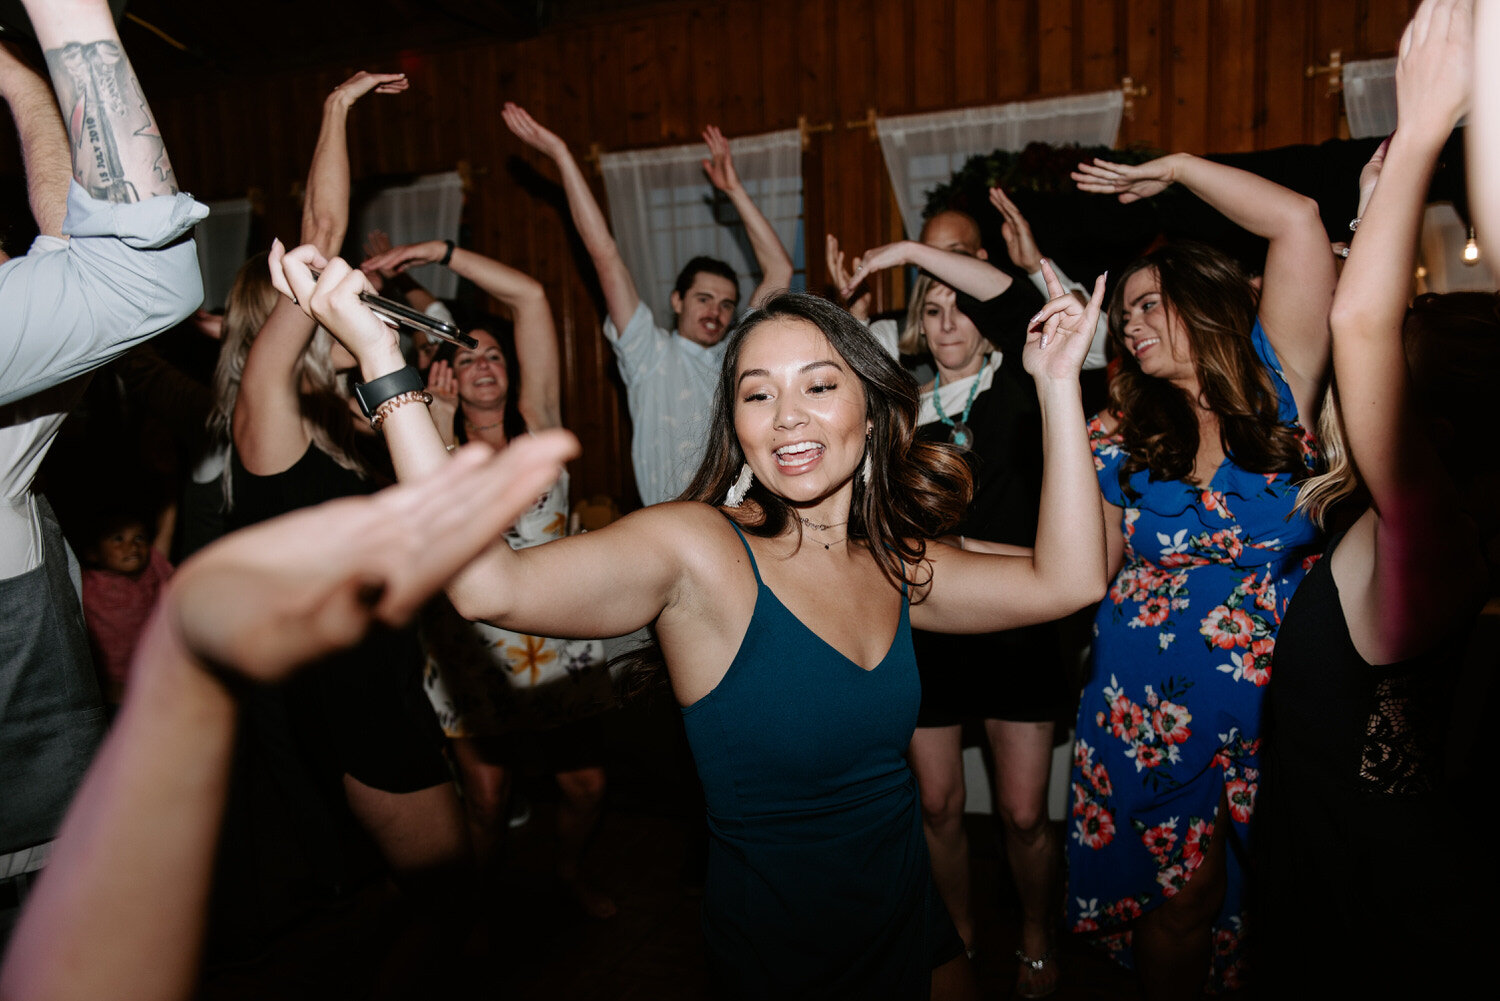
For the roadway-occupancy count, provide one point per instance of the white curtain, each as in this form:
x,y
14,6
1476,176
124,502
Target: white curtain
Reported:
x,y
664,211
923,151
429,208
1443,237
223,241
1370,97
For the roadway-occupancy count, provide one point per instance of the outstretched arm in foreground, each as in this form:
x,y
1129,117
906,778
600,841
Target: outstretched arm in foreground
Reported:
x,y
775,263
977,592
620,295
119,912
1419,568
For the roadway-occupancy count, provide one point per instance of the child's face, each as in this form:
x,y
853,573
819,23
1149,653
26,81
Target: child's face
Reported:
x,y
126,551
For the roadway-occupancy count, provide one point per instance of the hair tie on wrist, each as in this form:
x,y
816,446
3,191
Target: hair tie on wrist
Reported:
x,y
449,255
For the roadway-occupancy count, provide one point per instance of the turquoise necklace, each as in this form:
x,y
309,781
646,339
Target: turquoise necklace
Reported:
x,y
958,432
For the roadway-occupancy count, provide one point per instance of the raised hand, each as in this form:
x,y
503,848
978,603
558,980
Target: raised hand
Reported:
x,y
890,255
842,277
377,243
266,599
531,132
720,163
1019,243
363,82
1435,68
443,385
1057,339
332,298
394,260
1131,182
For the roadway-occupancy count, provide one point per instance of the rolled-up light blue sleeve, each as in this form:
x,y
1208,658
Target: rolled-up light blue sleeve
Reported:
x,y
126,273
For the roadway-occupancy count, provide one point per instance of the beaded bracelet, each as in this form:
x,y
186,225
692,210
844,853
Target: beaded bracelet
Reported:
x,y
400,400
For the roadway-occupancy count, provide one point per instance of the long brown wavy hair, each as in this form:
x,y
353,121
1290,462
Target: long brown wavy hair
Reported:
x,y
1216,303
917,490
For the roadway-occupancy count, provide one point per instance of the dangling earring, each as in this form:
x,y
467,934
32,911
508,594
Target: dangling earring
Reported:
x,y
736,495
865,470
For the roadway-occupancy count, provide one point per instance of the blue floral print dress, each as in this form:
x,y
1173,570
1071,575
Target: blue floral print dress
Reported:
x,y
1170,715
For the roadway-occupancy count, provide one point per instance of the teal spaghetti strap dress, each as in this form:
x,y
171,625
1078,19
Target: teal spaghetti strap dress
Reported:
x,y
818,882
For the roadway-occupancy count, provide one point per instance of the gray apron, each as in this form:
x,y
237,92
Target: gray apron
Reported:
x,y
51,713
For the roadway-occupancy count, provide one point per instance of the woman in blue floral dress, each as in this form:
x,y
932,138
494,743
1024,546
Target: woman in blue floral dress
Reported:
x,y
1198,457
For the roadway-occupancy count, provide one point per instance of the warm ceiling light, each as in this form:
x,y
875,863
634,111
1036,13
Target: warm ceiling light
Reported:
x,y
1471,249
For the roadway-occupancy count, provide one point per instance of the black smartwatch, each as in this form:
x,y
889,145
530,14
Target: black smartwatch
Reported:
x,y
375,392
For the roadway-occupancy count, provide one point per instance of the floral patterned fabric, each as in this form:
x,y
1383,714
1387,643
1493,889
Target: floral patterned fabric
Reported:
x,y
1171,713
483,680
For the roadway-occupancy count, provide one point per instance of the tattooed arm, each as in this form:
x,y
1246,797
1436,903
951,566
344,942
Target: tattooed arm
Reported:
x,y
117,151
129,270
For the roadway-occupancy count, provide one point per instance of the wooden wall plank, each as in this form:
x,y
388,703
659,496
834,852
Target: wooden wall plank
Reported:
x,y
1100,49
932,42
1013,40
972,60
1055,47
1189,81
1145,64
1232,91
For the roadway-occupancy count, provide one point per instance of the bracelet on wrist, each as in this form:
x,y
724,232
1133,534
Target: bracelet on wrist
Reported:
x,y
449,255
390,406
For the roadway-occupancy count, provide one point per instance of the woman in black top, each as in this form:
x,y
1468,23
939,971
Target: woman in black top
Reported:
x,y
1354,838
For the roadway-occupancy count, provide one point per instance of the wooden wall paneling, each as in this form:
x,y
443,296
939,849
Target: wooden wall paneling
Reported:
x,y
679,120
1379,24
854,173
1055,47
1145,64
781,27
1232,92
740,50
932,64
973,60
895,56
1334,27
1285,29
1099,53
609,125
707,40
1016,56
640,90
1189,83
817,97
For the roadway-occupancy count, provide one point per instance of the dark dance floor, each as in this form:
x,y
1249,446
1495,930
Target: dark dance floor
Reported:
x,y
530,942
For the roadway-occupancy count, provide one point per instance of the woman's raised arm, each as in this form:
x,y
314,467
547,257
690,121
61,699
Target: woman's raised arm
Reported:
x,y
1298,283
269,435
535,333
1423,568
975,592
603,583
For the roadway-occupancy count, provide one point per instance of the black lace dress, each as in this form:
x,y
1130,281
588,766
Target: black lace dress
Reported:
x,y
1358,857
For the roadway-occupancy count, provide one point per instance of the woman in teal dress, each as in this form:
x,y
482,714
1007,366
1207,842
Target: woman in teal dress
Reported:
x,y
783,591
1198,459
